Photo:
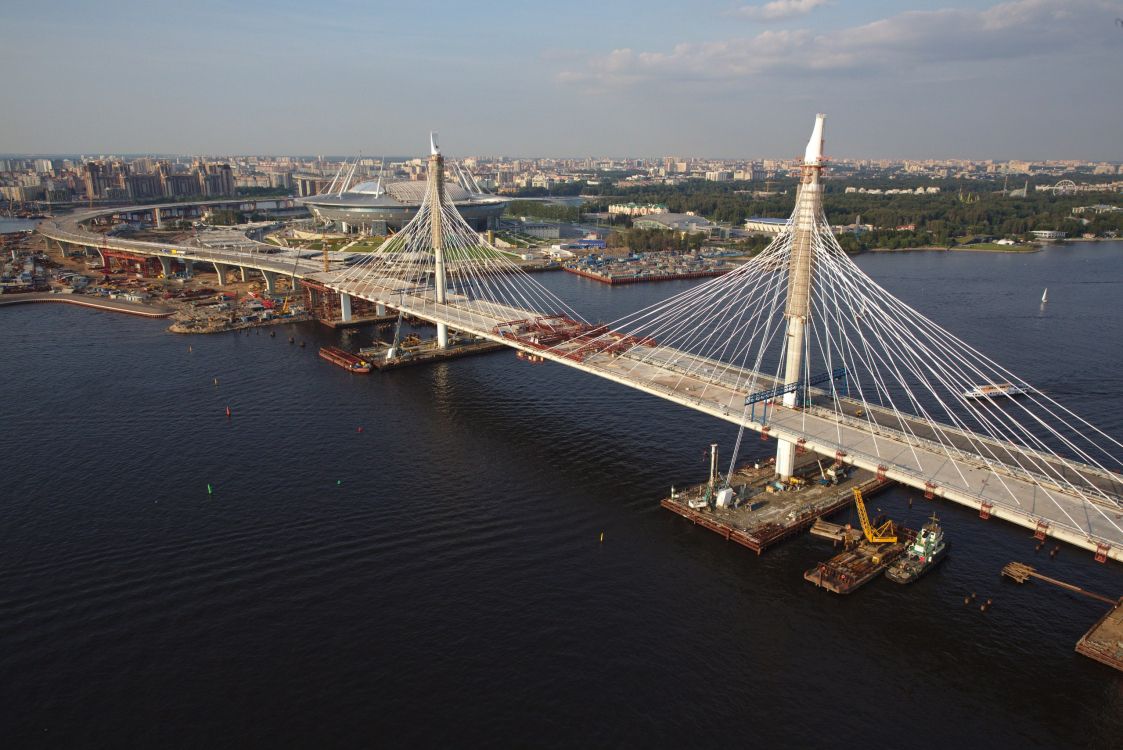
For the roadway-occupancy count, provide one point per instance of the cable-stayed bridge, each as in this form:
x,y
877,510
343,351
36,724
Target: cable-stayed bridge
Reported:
x,y
798,345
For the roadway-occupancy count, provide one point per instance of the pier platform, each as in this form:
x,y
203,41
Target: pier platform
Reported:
x,y
1104,642
425,352
762,518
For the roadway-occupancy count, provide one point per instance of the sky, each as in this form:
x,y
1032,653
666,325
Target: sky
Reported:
x,y
1023,79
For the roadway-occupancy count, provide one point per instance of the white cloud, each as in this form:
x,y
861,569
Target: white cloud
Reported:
x,y
779,10
1009,31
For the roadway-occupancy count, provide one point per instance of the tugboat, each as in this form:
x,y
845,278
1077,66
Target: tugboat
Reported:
x,y
922,555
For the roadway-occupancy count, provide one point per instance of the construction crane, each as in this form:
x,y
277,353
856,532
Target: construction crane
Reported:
x,y
881,534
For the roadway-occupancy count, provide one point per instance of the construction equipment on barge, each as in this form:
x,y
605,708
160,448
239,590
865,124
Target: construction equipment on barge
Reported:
x,y
853,568
752,508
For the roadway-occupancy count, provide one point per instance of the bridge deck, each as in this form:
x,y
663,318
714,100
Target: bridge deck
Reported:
x,y
955,471
965,467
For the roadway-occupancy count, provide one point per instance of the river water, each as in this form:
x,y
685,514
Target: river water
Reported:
x,y
17,225
173,578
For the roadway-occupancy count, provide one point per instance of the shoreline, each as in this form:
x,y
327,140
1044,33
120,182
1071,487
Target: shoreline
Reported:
x,y
932,248
98,303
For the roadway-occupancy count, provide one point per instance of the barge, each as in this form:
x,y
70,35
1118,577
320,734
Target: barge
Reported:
x,y
413,351
345,359
851,569
757,514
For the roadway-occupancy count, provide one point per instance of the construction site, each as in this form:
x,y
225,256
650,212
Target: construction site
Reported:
x,y
753,507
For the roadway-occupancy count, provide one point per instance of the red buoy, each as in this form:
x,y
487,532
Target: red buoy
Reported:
x,y
228,412
359,430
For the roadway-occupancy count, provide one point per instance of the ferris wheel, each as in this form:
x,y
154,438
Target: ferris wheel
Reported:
x,y
1064,187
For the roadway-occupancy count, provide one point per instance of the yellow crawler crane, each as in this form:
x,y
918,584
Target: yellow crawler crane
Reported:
x,y
883,533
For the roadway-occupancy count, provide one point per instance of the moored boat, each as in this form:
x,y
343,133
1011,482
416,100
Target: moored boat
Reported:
x,y
995,390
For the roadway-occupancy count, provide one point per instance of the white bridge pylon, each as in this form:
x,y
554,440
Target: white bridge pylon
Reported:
x,y
798,343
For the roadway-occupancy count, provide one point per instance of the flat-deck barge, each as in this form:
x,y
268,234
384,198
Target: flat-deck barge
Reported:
x,y
851,569
424,352
345,359
764,518
1104,642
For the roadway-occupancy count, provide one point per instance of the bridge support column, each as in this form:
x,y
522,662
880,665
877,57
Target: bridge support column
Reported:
x,y
437,236
345,307
270,281
104,260
166,266
379,308
221,270
242,269
158,217
801,270
189,268
785,459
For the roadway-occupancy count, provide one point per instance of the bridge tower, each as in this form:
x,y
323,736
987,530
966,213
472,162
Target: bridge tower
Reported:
x,y
436,189
797,309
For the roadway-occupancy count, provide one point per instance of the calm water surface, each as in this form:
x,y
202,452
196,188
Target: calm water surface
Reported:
x,y
437,579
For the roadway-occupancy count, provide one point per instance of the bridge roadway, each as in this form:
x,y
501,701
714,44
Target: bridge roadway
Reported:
x,y
876,440
271,261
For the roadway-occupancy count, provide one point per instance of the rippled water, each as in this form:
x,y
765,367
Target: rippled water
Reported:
x,y
437,578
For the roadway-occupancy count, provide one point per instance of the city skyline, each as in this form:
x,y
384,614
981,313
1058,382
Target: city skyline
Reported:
x,y
980,80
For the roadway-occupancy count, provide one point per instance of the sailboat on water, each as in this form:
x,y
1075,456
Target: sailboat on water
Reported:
x,y
1045,296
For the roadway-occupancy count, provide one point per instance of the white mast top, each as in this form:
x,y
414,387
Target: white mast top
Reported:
x,y
434,149
814,153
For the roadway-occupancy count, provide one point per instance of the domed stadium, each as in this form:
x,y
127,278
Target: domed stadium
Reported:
x,y
377,207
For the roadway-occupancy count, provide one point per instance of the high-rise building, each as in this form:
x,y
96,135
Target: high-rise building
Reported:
x,y
106,179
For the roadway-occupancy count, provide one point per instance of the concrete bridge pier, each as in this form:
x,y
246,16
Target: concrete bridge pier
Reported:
x,y
242,269
221,270
189,268
166,266
158,217
345,307
104,259
379,309
270,281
